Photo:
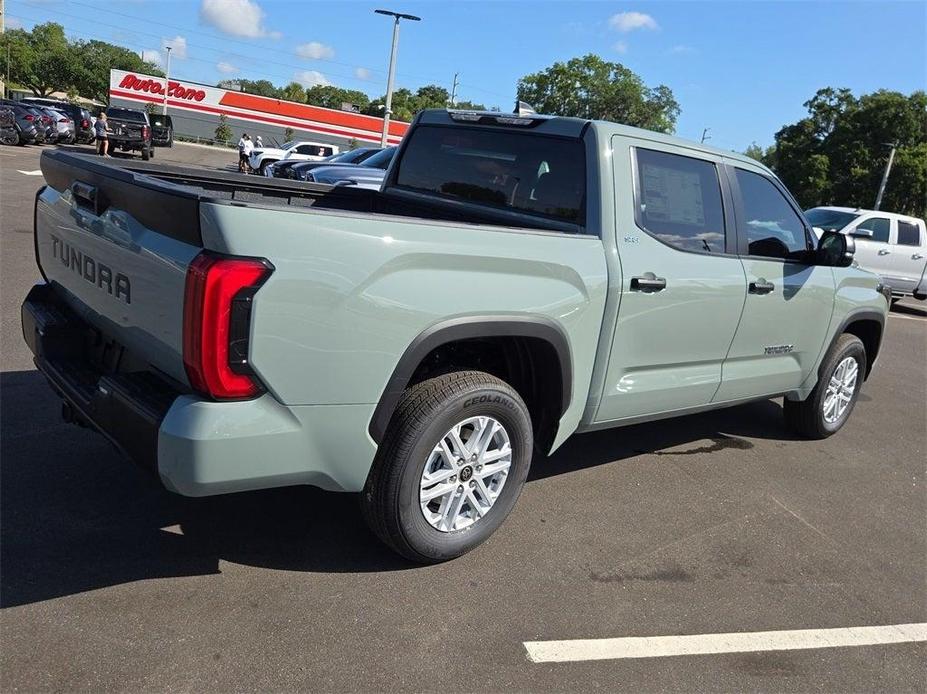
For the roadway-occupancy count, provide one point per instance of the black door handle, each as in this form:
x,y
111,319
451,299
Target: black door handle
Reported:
x,y
648,282
761,286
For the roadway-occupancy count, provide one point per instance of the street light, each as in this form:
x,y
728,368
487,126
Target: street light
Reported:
x,y
888,168
167,78
387,111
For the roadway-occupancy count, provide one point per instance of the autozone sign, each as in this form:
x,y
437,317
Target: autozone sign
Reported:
x,y
155,86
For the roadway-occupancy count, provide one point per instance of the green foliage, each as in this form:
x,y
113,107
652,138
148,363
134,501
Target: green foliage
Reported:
x,y
590,87
837,154
288,134
294,91
353,143
44,61
407,103
152,108
767,156
330,96
223,130
258,87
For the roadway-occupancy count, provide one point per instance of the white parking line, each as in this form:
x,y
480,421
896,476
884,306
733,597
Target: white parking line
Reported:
x,y
895,315
37,172
701,644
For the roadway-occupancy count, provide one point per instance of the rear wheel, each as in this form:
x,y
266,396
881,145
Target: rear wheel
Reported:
x,y
828,408
450,467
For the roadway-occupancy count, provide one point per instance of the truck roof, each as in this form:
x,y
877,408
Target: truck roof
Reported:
x,y
566,126
862,210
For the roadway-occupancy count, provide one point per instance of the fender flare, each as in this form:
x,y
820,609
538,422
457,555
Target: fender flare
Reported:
x,y
464,328
852,317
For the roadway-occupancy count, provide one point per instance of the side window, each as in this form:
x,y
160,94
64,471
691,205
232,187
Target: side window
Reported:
x,y
305,149
908,234
773,228
680,201
879,226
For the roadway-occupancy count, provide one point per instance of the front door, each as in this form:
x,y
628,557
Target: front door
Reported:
x,y
874,251
789,301
683,287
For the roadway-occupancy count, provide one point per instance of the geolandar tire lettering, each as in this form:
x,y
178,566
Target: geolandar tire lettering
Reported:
x,y
824,412
450,467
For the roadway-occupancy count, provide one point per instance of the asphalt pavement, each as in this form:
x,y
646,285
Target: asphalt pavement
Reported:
x,y
715,523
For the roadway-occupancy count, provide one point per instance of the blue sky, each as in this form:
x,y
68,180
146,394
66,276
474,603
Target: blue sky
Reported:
x,y
742,69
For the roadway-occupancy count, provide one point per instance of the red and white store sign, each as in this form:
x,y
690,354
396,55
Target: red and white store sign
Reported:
x,y
260,110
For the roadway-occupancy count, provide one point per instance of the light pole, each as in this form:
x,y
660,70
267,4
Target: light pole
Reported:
x,y
705,135
888,168
387,111
167,79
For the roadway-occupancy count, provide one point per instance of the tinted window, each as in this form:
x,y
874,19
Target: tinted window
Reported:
x,y
126,115
381,159
879,226
829,220
680,201
526,172
773,228
908,234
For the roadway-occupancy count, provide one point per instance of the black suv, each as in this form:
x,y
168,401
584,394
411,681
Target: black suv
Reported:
x,y
83,132
129,130
162,130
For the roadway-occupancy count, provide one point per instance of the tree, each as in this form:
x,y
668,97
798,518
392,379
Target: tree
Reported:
x,y
95,59
42,60
590,87
407,103
288,134
767,156
293,92
223,130
259,87
836,154
152,108
330,96
353,143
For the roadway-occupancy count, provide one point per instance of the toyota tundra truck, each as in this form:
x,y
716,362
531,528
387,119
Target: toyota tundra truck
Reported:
x,y
517,279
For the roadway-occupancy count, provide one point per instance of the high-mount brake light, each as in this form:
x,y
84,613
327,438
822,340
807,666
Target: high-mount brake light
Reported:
x,y
217,324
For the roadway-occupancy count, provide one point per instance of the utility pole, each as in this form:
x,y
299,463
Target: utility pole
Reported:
x,y
167,78
454,90
705,135
888,168
387,110
3,30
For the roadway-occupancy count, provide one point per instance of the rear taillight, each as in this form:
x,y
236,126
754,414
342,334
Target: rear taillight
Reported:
x,y
30,118
145,131
85,123
217,324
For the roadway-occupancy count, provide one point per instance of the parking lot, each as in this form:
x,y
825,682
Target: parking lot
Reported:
x,y
709,524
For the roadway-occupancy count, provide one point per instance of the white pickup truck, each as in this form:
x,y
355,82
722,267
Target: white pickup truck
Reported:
x,y
263,157
894,246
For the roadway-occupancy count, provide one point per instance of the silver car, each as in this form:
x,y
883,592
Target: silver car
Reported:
x,y
64,124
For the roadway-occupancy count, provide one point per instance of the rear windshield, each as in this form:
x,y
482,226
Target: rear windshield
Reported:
x,y
120,114
526,172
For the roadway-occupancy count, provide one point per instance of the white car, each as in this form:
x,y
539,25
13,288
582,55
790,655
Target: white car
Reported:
x,y
894,246
262,157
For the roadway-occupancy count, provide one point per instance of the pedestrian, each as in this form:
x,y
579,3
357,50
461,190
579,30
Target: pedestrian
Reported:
x,y
100,128
258,142
245,146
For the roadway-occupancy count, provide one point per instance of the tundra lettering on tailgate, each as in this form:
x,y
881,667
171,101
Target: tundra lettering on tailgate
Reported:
x,y
93,271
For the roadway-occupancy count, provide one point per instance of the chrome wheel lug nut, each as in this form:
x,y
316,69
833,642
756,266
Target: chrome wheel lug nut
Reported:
x,y
460,488
453,478
472,483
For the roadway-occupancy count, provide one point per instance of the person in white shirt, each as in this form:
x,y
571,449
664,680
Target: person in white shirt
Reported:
x,y
245,146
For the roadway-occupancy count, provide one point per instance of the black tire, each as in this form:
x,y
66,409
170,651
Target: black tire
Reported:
x,y
262,170
806,417
146,154
426,412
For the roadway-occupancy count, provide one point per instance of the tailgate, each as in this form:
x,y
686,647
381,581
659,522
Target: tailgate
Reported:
x,y
116,245
126,130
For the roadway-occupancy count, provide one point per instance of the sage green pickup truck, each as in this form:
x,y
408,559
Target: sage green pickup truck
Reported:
x,y
517,279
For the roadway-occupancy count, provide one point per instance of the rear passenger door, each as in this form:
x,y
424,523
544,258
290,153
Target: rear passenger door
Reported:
x,y
789,300
682,286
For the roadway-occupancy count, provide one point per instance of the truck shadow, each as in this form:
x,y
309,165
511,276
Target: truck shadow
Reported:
x,y
76,517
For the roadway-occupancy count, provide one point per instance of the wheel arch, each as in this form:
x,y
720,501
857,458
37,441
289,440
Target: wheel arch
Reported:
x,y
466,329
869,326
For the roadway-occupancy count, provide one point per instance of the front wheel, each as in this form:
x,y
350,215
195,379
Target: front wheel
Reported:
x,y
829,405
450,467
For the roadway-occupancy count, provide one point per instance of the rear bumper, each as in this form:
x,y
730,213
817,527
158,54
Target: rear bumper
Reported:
x,y
197,447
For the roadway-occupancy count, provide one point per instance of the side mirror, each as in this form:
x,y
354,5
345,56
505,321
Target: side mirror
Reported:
x,y
863,233
835,249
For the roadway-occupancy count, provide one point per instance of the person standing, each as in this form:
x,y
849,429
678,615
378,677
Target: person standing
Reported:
x,y
245,146
100,130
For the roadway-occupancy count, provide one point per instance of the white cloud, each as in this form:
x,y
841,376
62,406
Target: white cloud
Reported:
x,y
151,55
178,46
362,73
13,23
311,78
315,51
629,21
226,68
620,47
236,17
681,49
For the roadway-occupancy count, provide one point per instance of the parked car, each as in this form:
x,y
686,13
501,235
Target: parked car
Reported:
x,y
29,128
297,150
130,131
64,124
296,170
894,246
518,278
79,115
162,130
368,174
35,116
9,135
46,122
